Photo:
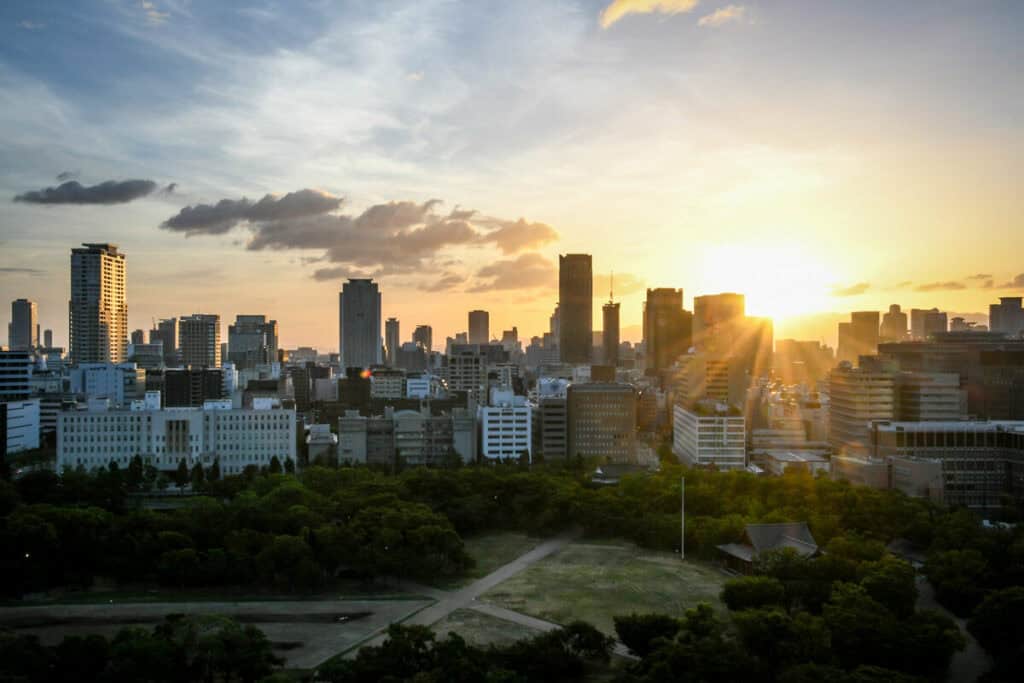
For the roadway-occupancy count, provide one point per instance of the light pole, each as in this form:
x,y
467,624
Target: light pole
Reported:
x,y
682,518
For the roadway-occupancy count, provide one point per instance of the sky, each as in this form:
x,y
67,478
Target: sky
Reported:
x,y
819,156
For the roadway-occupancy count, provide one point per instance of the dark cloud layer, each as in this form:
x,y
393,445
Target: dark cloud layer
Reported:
x,y
73,192
394,237
527,271
1015,283
21,271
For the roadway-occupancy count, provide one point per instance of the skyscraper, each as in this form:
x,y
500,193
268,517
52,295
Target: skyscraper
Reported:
x,y
252,341
392,340
166,332
479,327
894,325
359,319
926,322
713,312
423,335
48,339
1007,316
610,329
667,327
575,307
200,340
98,309
138,337
23,331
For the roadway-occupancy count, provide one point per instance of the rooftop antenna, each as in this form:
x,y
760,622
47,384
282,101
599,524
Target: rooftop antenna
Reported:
x,y
611,288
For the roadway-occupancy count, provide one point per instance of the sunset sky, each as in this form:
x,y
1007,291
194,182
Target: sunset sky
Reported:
x,y
819,156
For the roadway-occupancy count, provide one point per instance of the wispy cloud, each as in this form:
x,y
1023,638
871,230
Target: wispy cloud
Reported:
x,y
949,285
73,192
528,271
723,15
617,9
153,14
34,272
852,290
1016,283
446,282
31,25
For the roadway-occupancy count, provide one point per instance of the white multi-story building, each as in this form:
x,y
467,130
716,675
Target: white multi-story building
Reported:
x,y
236,438
709,433
505,427
19,426
119,383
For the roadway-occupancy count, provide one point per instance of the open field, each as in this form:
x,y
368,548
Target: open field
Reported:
x,y
490,552
305,633
481,629
595,582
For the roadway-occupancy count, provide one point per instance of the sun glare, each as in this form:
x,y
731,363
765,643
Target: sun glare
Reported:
x,y
778,281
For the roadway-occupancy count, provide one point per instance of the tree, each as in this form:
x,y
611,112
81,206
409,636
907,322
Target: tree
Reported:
x,y
214,474
198,476
275,465
958,577
639,631
135,475
289,466
891,582
753,591
181,475
997,622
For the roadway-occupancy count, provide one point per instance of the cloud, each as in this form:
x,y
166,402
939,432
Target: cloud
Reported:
x,y
940,286
35,272
66,175
617,9
1015,283
446,282
31,25
723,15
390,238
216,219
904,284
73,192
980,276
170,189
153,14
527,271
625,283
515,236
852,290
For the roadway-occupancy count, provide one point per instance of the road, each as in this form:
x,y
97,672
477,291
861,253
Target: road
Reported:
x,y
466,597
971,662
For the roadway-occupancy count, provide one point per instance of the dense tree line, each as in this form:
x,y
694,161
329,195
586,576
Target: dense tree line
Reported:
x,y
179,650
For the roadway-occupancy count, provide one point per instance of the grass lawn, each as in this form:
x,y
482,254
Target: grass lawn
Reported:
x,y
481,629
595,582
490,552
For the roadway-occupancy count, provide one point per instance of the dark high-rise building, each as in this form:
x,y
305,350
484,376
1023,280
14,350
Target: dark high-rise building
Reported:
x,y
1007,316
575,307
359,338
392,341
602,421
610,333
98,309
138,337
924,323
424,336
252,341
23,332
166,332
48,339
859,337
667,327
199,338
479,327
894,325
712,312
190,387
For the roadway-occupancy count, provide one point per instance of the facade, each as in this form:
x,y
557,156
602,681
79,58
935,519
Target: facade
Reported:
x,y
410,437
387,383
119,384
856,397
667,327
929,396
147,356
709,434
505,427
423,336
98,309
192,387
163,437
1007,316
926,323
23,330
575,307
252,341
894,325
19,426
15,375
392,341
602,421
199,339
479,327
166,333
467,370
359,306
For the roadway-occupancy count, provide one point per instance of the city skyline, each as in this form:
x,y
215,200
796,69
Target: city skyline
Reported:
x,y
821,204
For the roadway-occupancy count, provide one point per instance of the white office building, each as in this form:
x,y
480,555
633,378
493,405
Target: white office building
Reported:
x,y
19,426
505,427
236,438
709,433
120,383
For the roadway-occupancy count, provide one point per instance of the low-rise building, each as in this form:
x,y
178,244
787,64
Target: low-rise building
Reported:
x,y
602,421
19,426
505,427
709,433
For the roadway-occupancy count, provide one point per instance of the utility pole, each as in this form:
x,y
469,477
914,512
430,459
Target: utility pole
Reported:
x,y
682,518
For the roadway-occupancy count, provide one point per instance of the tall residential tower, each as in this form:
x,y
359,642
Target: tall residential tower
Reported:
x,y
360,343
98,309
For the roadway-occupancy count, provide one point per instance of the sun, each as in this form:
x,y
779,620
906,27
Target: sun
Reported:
x,y
779,281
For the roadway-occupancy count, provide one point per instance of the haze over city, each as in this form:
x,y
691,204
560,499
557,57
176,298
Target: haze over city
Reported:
x,y
819,157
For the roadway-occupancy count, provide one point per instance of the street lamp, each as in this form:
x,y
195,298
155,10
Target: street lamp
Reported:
x,y
682,518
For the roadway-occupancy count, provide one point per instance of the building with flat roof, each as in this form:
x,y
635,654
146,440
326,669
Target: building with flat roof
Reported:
x,y
575,307
199,340
709,434
98,308
23,330
505,427
602,421
359,323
